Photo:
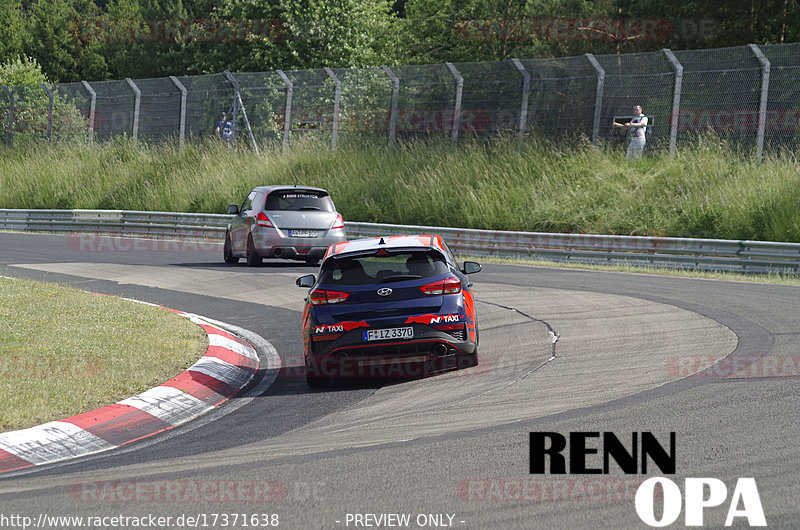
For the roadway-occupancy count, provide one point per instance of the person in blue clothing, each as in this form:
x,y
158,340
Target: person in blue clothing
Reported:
x,y
224,128
636,131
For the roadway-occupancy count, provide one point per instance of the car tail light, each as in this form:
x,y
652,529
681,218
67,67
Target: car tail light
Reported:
x,y
327,297
338,222
263,220
447,286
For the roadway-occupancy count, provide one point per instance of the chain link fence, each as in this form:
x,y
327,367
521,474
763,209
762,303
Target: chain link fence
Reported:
x,y
748,96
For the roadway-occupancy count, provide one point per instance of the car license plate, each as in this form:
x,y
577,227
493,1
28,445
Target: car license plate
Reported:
x,y
390,333
304,233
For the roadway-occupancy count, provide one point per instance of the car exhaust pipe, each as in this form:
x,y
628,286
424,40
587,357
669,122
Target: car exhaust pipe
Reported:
x,y
439,349
278,251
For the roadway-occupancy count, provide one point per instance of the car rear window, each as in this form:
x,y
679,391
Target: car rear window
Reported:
x,y
297,200
384,268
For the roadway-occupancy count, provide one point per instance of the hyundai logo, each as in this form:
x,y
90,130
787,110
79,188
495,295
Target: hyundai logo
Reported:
x,y
384,292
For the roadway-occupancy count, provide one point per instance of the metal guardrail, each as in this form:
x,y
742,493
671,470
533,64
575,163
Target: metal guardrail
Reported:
x,y
681,253
167,224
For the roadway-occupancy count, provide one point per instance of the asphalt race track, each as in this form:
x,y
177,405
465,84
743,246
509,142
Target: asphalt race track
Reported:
x,y
450,450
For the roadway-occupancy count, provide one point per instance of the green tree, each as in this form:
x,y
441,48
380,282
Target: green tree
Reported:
x,y
52,37
316,33
124,50
486,30
21,71
11,29
481,30
158,38
715,23
24,75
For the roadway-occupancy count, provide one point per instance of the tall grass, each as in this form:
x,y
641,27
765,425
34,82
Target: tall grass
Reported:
x,y
706,190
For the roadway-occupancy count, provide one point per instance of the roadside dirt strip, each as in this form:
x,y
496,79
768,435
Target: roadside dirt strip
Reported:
x,y
227,366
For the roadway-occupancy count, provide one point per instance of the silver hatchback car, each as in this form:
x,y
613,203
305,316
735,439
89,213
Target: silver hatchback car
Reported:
x,y
289,222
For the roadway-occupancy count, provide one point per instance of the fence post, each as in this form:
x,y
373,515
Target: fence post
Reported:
x,y
182,126
247,123
457,108
137,99
10,127
235,118
676,101
762,108
598,101
92,106
49,109
287,114
336,100
526,87
237,94
395,95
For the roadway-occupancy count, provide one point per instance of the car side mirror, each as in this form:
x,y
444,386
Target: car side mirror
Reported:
x,y
471,267
233,209
306,281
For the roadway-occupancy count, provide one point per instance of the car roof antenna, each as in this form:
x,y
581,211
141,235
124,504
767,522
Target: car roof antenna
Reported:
x,y
381,242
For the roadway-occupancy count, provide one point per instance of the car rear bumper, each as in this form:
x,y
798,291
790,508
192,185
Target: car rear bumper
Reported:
x,y
292,252
275,243
430,352
351,365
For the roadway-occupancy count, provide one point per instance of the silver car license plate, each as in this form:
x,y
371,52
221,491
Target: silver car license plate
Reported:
x,y
390,333
304,233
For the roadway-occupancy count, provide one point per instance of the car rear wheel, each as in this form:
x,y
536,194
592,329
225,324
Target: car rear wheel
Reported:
x,y
252,257
227,252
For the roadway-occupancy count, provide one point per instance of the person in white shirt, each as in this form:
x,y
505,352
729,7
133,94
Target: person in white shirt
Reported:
x,y
636,129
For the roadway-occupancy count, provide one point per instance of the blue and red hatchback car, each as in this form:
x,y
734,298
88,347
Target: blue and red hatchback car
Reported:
x,y
393,306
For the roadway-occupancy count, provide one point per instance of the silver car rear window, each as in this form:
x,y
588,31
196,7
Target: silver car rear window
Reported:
x,y
297,200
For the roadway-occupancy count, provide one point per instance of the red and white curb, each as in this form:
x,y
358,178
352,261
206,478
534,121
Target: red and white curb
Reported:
x,y
227,366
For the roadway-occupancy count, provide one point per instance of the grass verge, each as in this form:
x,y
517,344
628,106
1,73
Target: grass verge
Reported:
x,y
707,190
64,351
